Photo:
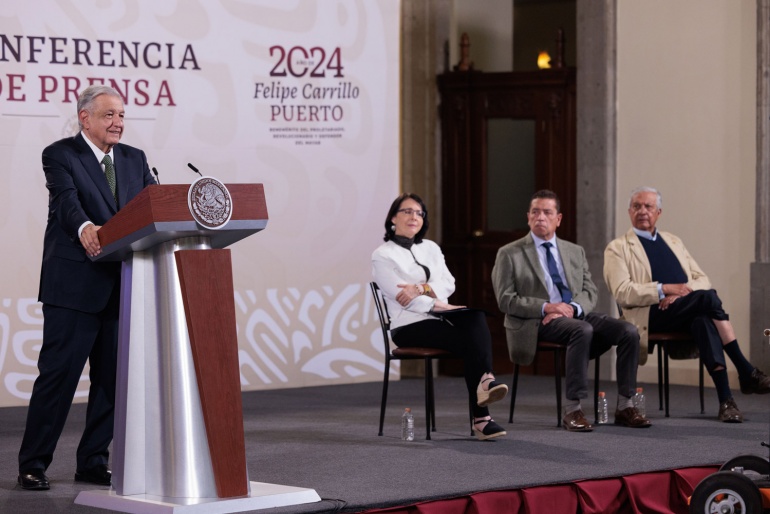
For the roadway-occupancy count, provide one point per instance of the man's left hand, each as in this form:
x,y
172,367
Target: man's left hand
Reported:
x,y
561,308
552,316
667,301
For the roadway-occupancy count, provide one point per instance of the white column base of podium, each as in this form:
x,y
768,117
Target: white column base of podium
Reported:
x,y
262,496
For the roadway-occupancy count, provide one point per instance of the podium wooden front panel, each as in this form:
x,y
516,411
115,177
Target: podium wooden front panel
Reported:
x,y
206,278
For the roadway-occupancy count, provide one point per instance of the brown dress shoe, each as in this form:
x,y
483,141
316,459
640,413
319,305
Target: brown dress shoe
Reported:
x,y
575,421
729,413
630,417
757,383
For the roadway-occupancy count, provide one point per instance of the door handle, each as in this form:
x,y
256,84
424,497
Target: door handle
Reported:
x,y
478,233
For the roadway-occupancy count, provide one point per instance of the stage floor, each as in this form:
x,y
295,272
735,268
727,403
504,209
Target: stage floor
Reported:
x,y
325,438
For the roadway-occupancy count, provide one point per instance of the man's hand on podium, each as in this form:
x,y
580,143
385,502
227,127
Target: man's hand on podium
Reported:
x,y
90,240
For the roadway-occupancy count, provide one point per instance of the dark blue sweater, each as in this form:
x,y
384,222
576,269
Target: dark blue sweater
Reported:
x,y
665,267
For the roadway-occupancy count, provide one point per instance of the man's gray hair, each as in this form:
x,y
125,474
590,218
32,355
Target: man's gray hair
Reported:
x,y
646,189
89,94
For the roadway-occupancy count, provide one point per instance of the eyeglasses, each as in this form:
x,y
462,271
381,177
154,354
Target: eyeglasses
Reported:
x,y
409,212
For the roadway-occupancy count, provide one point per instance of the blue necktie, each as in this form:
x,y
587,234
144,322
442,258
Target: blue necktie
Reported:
x,y
566,294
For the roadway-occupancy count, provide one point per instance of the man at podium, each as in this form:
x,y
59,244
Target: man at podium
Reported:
x,y
89,178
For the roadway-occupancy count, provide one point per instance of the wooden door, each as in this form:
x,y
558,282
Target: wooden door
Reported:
x,y
504,136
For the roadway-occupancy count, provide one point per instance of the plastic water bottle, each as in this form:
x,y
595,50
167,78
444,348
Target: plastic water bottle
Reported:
x,y
602,413
407,425
639,401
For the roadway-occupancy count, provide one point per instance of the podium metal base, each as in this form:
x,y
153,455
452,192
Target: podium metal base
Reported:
x,y
262,496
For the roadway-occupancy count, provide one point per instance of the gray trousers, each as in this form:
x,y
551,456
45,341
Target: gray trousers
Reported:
x,y
589,338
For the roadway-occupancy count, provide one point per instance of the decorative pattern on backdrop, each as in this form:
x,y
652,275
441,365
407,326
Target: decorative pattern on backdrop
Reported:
x,y
288,337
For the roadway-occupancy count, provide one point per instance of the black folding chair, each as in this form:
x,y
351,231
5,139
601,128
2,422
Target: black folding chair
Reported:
x,y
425,354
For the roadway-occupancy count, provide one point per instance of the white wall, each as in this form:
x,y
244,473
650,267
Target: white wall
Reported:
x,y
686,106
489,24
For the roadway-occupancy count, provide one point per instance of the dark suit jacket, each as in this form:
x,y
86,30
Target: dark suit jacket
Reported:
x,y
519,283
78,192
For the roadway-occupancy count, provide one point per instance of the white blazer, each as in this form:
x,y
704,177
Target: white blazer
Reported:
x,y
393,265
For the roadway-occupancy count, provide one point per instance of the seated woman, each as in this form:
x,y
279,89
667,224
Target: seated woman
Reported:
x,y
416,283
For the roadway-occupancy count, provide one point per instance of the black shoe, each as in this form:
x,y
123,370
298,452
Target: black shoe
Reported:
x,y
99,475
757,383
33,480
490,430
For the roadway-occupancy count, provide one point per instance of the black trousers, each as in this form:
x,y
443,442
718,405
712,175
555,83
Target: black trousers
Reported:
x,y
69,339
694,313
463,333
590,337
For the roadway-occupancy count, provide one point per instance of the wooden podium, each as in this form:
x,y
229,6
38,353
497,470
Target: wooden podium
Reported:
x,y
179,442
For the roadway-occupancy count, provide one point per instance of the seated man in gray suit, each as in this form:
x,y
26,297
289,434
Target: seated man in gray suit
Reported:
x,y
661,288
543,286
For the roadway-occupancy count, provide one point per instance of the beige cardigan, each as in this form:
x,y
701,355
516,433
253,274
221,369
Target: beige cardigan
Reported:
x,y
629,278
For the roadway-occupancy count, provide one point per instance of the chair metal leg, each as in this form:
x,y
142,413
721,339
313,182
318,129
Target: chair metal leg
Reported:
x,y
700,383
432,400
514,386
470,411
660,376
428,402
557,375
665,377
384,401
432,408
597,362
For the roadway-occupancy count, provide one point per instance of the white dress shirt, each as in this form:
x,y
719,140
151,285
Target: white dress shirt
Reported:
x,y
553,291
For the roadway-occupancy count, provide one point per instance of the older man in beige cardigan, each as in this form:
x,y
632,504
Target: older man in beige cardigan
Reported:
x,y
661,288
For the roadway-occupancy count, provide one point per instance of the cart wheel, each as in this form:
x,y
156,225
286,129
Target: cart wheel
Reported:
x,y
726,492
752,463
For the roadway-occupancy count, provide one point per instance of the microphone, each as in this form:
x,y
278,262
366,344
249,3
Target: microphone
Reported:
x,y
156,175
194,169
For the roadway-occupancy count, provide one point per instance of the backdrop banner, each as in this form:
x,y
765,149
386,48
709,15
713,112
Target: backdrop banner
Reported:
x,y
302,96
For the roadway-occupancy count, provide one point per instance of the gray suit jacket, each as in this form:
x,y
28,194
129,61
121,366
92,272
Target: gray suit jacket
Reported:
x,y
519,283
